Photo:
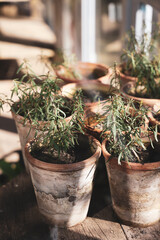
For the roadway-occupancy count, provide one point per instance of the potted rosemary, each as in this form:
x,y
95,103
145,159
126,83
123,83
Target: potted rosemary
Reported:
x,y
62,162
139,52
141,66
32,100
60,158
133,164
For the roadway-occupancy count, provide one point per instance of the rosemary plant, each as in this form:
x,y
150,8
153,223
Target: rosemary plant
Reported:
x,y
66,66
37,100
60,136
59,119
125,125
140,61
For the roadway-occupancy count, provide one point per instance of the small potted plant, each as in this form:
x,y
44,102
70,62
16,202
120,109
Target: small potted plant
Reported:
x,y
72,71
62,162
140,70
32,100
147,88
133,164
139,52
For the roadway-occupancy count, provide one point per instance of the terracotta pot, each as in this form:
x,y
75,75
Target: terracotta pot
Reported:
x,y
146,101
63,191
84,71
134,190
93,119
26,133
93,89
123,77
153,121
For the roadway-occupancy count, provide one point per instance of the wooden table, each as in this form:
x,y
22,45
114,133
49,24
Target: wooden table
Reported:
x,y
21,220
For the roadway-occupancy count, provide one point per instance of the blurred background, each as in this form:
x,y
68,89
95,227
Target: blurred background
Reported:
x,y
92,30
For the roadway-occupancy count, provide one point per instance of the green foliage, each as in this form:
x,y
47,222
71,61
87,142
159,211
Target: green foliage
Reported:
x,y
39,101
37,97
125,124
66,65
62,134
2,102
140,61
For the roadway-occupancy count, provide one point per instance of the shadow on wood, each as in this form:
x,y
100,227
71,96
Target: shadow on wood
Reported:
x,y
9,69
8,124
28,42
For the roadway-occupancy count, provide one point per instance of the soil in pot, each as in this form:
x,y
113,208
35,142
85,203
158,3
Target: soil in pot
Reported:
x,y
91,96
95,74
81,151
149,155
83,71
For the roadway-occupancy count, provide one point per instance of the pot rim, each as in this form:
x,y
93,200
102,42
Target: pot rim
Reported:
x,y
152,119
123,75
87,85
69,88
129,166
20,120
64,167
151,100
80,65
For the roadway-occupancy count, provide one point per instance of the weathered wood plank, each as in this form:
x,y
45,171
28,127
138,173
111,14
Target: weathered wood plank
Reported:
x,y
108,224
27,31
21,220
19,216
149,233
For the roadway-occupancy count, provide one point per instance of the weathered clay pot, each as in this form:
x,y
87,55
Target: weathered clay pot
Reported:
x,y
93,118
84,71
153,121
123,77
93,89
134,190
146,101
63,191
25,133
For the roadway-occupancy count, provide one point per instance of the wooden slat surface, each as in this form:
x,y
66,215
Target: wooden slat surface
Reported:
x,y
21,220
149,233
